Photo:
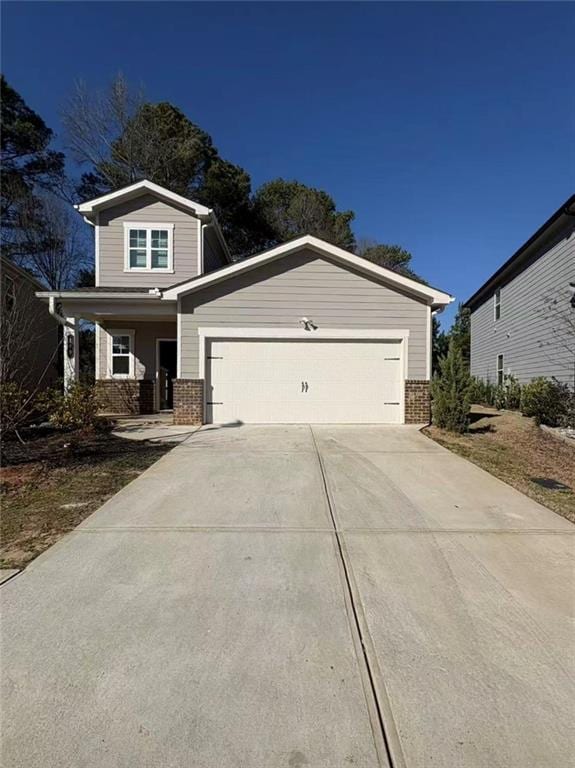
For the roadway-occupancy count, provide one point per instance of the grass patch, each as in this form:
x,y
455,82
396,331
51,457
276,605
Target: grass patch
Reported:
x,y
514,449
54,481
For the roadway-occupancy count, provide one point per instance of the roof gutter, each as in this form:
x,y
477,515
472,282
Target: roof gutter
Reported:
x,y
213,222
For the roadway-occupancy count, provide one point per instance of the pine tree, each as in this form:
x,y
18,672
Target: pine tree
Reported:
x,y
451,392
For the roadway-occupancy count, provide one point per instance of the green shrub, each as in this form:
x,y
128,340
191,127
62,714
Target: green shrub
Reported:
x,y
547,400
76,409
482,392
512,393
451,392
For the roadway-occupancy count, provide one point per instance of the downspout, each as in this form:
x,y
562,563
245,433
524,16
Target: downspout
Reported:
x,y
55,314
202,241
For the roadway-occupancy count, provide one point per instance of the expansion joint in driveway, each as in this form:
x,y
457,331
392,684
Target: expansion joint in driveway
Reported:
x,y
385,734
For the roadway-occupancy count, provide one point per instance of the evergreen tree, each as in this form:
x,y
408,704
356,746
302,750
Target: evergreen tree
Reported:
x,y
451,392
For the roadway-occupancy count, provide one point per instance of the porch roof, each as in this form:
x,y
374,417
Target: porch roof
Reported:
x,y
100,292
110,303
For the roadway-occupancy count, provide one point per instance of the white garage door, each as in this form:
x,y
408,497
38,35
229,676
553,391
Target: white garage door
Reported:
x,y
292,381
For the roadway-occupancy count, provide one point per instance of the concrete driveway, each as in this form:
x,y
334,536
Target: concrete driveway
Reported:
x,y
297,596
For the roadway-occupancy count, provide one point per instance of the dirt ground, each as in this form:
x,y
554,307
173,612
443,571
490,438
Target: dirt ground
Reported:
x,y
54,481
513,448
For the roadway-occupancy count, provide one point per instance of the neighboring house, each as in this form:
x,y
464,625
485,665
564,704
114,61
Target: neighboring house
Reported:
x,y
304,332
29,335
523,318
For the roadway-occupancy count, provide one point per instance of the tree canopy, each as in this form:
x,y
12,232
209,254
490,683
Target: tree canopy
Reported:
x,y
289,209
390,256
28,165
122,138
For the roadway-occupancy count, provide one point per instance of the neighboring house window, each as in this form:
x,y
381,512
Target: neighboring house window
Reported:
x,y
9,293
148,247
500,375
497,304
122,354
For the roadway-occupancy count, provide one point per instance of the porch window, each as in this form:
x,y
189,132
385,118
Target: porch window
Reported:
x,y
500,374
149,247
122,354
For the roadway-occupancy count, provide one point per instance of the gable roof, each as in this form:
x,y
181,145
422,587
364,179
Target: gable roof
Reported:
x,y
90,208
520,259
433,296
9,265
135,190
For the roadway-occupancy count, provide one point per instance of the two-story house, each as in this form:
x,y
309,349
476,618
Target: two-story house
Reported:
x,y
303,332
523,316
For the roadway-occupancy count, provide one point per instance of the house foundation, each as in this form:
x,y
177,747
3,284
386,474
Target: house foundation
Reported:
x,y
189,401
417,401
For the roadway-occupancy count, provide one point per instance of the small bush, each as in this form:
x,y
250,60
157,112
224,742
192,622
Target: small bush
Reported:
x,y
16,407
451,392
76,409
506,395
512,393
546,400
482,392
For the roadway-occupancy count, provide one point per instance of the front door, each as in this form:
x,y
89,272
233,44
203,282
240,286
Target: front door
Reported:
x,y
167,372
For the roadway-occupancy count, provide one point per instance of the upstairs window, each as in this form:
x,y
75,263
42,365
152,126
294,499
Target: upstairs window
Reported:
x,y
149,247
500,374
497,304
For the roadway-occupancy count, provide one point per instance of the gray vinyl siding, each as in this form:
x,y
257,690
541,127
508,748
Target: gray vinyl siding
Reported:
x,y
214,256
145,335
533,341
146,208
278,294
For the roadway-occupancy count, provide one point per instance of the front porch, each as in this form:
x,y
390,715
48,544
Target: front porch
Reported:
x,y
136,346
136,364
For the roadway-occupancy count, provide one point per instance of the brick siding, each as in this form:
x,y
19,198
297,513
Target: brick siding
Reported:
x,y
188,401
417,402
126,396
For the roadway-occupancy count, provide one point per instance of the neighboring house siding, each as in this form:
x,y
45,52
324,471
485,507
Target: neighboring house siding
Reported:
x,y
36,331
146,209
532,339
278,294
214,256
145,335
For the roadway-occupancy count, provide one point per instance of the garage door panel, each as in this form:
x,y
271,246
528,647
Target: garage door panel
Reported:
x,y
296,381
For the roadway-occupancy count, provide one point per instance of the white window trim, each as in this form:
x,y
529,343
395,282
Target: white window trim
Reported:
x,y
131,357
498,370
128,225
497,304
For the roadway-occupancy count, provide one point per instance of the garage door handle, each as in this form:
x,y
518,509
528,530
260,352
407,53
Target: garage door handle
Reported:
x,y
304,386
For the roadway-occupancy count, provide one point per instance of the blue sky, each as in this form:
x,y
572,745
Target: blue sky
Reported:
x,y
448,128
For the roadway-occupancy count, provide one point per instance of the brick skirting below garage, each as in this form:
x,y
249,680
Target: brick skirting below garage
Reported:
x,y
188,401
126,396
417,402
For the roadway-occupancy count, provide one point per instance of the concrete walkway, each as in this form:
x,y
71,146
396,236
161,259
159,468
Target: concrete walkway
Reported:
x,y
296,596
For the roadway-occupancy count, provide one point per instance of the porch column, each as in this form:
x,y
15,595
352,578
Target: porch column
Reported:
x,y
71,352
